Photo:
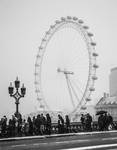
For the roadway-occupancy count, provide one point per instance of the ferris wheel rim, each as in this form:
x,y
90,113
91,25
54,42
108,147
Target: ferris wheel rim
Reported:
x,y
91,53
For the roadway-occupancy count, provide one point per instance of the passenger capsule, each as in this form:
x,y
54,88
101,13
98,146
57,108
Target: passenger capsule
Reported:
x,y
69,17
94,78
93,43
57,21
40,47
36,73
83,107
37,65
52,26
75,18
92,89
95,54
90,34
80,21
47,32
37,91
38,56
85,27
36,82
41,106
43,40
39,99
95,66
58,70
62,18
88,99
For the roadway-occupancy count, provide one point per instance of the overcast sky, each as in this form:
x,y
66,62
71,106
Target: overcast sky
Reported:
x,y
22,26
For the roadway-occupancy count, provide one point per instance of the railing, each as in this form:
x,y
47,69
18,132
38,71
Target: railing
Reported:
x,y
74,128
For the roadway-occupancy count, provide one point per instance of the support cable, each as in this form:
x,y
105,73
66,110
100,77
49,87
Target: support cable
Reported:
x,y
79,89
74,91
70,93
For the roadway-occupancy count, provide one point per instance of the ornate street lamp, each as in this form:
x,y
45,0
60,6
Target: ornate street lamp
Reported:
x,y
17,95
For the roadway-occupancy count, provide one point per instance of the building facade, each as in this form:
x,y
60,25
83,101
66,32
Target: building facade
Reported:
x,y
113,82
108,104
109,101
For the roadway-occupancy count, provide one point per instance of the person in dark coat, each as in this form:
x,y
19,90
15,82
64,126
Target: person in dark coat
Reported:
x,y
82,119
10,128
67,123
48,124
88,122
38,124
60,124
110,124
34,125
101,122
43,123
30,130
105,121
3,125
20,125
13,122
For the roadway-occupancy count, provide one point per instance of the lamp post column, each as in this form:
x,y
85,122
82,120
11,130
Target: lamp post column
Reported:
x,y
17,95
17,107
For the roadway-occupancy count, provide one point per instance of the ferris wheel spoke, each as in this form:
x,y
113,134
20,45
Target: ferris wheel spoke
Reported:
x,y
69,89
74,91
79,89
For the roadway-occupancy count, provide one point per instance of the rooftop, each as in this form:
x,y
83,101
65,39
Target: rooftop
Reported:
x,y
107,101
113,69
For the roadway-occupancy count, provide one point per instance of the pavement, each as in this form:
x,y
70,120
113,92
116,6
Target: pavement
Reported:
x,y
106,140
55,135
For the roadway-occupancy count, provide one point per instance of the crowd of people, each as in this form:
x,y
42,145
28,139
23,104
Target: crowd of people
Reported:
x,y
86,121
42,124
39,125
105,122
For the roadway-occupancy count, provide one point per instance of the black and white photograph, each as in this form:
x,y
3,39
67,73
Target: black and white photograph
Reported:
x,y
58,78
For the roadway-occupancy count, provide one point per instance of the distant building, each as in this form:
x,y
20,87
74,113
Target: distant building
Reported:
x,y
109,101
108,104
113,82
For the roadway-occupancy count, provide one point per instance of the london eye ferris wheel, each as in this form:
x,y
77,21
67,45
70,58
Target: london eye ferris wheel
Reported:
x,y
65,67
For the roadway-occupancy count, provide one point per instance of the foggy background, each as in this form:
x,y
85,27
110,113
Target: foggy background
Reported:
x,y
22,26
